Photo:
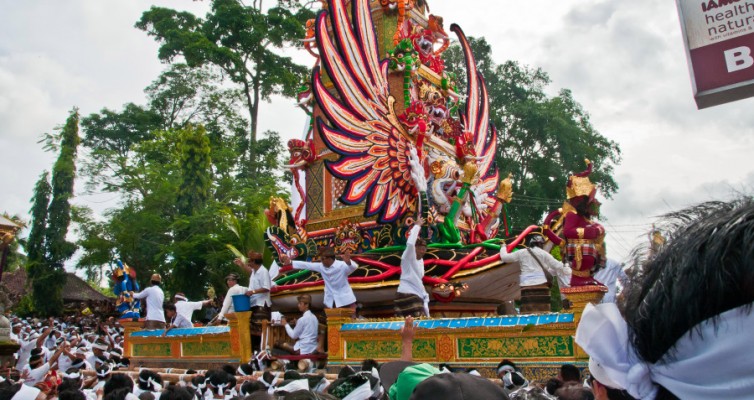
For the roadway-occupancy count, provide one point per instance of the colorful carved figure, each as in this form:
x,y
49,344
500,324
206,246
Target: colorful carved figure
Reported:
x,y
302,154
124,287
582,237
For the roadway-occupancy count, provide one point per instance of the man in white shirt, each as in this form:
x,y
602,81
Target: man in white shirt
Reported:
x,y
305,332
338,292
37,369
259,293
175,320
154,297
34,341
186,308
233,289
412,298
535,291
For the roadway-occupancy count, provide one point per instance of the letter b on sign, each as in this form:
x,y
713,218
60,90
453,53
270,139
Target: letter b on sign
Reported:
x,y
738,58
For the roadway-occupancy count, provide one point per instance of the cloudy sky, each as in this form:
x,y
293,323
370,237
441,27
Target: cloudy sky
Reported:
x,y
623,60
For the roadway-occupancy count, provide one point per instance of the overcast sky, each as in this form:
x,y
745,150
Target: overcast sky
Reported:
x,y
623,60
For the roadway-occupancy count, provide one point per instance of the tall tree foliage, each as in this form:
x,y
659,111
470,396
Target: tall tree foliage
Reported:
x,y
176,163
35,248
541,139
243,41
48,277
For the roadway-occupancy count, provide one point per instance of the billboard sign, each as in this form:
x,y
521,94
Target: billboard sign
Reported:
x,y
719,40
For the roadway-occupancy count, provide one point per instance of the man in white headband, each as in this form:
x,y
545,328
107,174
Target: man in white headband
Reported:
x,y
683,327
185,307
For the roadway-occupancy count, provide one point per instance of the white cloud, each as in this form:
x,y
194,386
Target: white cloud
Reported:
x,y
624,62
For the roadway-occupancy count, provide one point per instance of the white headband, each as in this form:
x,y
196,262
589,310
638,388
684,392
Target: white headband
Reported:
x,y
26,393
179,297
156,387
709,361
75,375
505,367
99,346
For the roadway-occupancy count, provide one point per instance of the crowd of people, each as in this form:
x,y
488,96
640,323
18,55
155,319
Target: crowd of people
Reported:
x,y
680,329
82,358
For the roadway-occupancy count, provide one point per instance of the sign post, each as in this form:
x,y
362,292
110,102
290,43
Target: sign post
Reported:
x,y
719,40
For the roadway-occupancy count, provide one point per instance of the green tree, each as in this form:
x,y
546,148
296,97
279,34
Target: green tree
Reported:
x,y
243,41
541,139
48,277
196,175
35,247
95,242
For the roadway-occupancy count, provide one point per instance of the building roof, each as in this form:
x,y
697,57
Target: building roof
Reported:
x,y
75,289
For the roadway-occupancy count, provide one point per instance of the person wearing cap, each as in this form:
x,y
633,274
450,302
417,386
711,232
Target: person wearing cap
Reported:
x,y
535,264
338,292
305,331
412,298
259,294
154,298
233,289
259,284
185,307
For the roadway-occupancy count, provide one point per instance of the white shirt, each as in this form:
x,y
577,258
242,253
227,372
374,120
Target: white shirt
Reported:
x,y
305,332
337,289
187,308
25,352
260,279
412,270
609,277
179,321
228,302
36,375
531,272
155,297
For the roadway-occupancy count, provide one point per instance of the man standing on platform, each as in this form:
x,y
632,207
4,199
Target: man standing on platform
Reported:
x,y
233,289
186,308
154,297
412,298
259,286
535,265
305,332
338,292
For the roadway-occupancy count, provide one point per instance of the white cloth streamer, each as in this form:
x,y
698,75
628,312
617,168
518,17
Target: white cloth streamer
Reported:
x,y
713,360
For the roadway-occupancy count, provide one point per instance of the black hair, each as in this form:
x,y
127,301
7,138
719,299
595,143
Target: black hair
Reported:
x,y
174,392
146,396
250,387
507,362
346,371
552,385
368,364
118,381
7,393
259,396
144,376
117,394
703,270
229,369
168,306
246,368
71,394
570,373
293,374
574,392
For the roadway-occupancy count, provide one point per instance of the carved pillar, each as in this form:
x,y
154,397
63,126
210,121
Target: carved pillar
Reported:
x,y
335,318
240,334
129,326
580,296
